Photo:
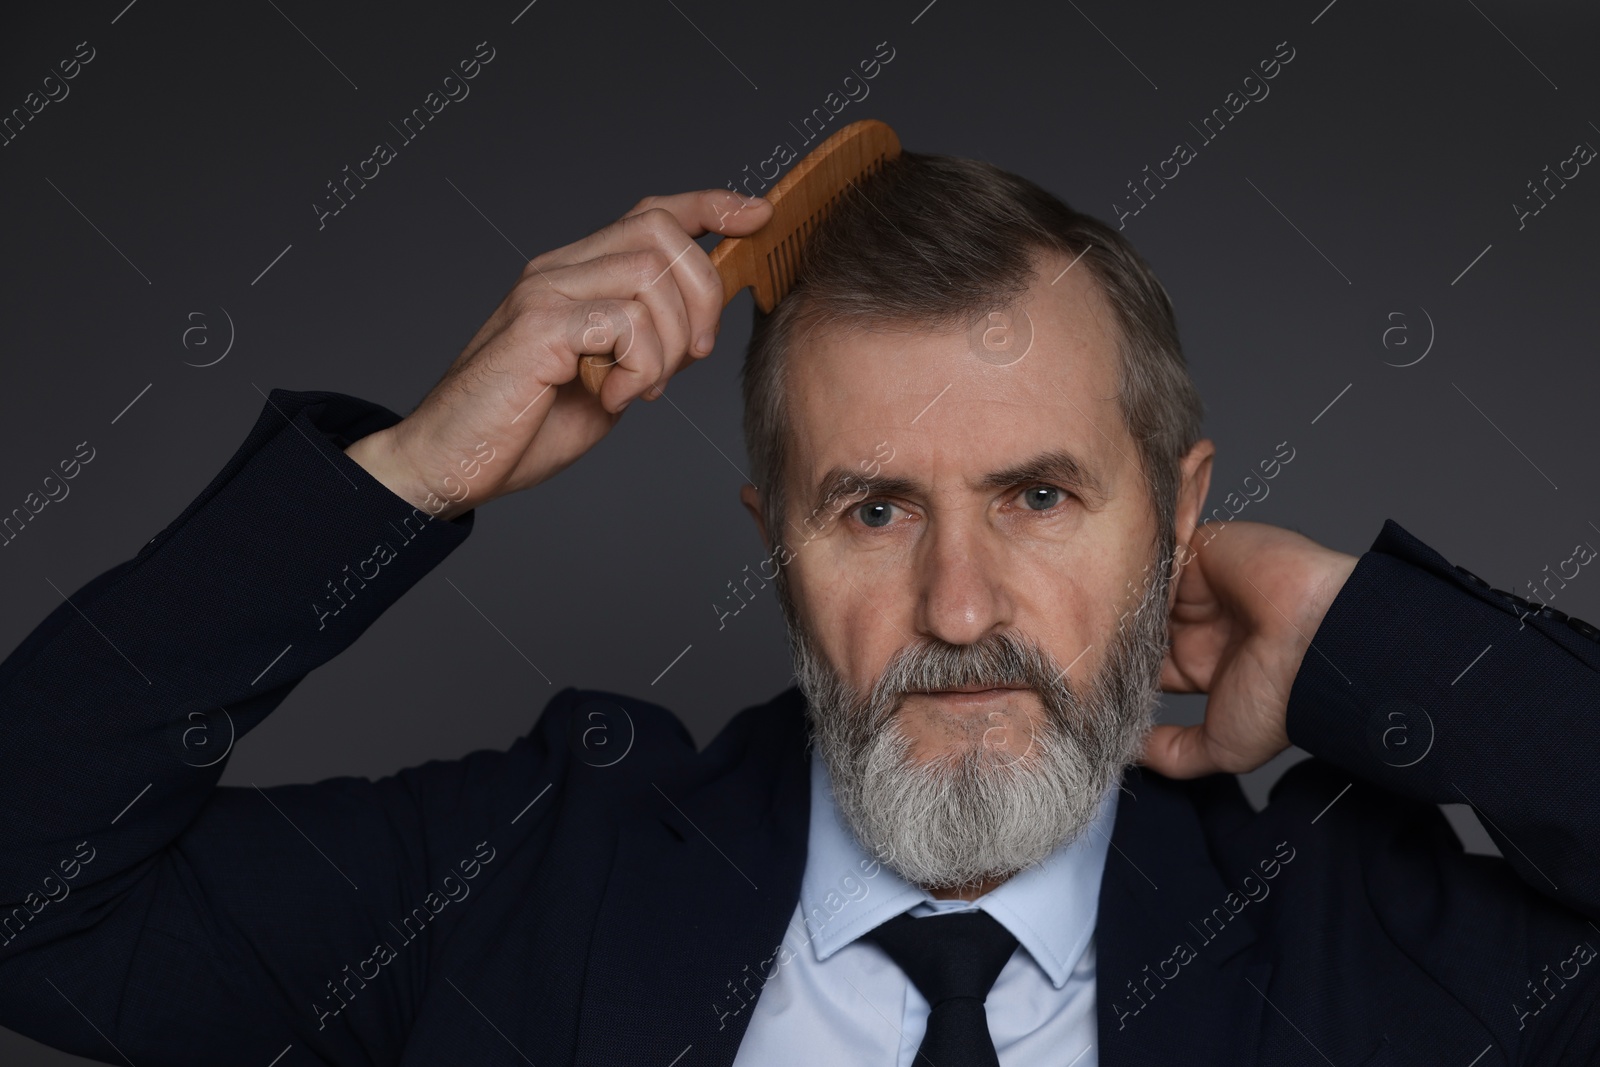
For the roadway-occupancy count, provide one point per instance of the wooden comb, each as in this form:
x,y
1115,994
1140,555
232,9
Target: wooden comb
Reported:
x,y
766,261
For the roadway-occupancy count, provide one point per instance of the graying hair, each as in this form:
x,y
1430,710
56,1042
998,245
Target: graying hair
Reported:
x,y
931,242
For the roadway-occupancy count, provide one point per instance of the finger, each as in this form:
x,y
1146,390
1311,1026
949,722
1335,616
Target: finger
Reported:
x,y
706,211
1192,587
698,283
656,262
1178,751
621,330
669,225
1174,680
711,211
642,275
638,357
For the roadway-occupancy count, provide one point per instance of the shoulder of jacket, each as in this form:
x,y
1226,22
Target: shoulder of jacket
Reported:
x,y
597,728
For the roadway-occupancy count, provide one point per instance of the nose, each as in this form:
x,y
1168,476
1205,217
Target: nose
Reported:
x,y
961,590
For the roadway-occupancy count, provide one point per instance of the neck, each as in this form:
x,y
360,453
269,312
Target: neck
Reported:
x,y
966,892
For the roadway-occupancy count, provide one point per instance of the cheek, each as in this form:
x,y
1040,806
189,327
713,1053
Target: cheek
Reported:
x,y
1070,598
858,615
1061,608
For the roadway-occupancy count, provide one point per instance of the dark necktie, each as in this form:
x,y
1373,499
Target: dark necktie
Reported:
x,y
953,959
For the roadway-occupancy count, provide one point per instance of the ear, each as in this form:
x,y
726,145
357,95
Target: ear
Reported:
x,y
751,498
1194,482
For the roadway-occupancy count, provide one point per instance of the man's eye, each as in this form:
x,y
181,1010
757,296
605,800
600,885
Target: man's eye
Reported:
x,y
875,514
1042,497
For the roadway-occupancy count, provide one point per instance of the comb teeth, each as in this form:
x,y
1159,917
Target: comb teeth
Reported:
x,y
783,261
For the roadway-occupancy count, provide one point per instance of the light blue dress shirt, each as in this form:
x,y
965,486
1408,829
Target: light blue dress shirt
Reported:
x,y
839,999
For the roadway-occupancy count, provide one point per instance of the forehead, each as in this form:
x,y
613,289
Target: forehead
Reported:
x,y
1036,376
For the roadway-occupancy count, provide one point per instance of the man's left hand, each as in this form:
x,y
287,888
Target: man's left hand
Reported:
x,y
1248,602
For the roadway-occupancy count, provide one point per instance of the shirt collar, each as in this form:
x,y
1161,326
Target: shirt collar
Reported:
x,y
1050,908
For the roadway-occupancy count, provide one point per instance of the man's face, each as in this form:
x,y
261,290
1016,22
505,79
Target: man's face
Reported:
x,y
977,515
951,554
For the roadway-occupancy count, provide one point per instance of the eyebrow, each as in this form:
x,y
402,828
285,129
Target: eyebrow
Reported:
x,y
1057,466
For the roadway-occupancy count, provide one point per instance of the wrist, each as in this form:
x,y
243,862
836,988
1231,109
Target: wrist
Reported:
x,y
1332,575
379,455
1323,582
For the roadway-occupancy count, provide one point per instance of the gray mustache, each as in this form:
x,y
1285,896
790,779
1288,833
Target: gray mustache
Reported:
x,y
999,660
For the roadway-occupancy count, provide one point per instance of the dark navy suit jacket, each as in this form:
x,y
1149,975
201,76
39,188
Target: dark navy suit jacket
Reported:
x,y
555,904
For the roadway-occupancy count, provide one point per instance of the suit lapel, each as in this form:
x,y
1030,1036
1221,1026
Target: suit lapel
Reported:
x,y
706,874
705,877
1173,977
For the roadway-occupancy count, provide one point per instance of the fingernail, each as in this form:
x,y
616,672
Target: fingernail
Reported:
x,y
704,343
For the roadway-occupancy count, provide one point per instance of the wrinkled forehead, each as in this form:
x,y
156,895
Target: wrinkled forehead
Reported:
x,y
1039,374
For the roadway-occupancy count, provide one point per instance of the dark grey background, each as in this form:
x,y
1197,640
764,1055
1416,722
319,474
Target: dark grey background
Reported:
x,y
193,145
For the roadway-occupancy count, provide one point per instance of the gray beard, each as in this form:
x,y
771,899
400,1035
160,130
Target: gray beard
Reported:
x,y
985,812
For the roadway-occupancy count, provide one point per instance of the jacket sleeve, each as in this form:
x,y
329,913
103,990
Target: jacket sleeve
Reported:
x,y
146,913
1426,682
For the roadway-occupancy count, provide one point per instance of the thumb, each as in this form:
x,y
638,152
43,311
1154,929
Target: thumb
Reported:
x,y
737,215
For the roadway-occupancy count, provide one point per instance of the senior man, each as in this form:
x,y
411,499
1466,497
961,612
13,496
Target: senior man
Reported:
x,y
958,841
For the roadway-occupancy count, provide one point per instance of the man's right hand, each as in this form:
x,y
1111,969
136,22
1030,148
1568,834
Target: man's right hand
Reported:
x,y
510,412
